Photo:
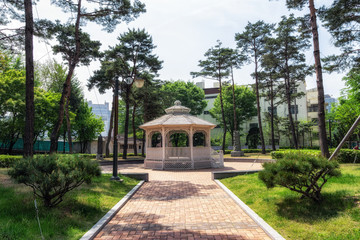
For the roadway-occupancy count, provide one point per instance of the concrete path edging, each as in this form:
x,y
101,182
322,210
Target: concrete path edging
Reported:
x,y
266,227
227,174
110,214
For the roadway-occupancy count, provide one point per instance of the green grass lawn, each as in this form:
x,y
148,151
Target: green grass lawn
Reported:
x,y
337,217
79,211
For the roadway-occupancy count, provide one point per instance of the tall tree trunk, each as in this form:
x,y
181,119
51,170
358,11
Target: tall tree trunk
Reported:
x,y
222,114
291,121
319,83
11,145
67,86
234,110
29,95
143,145
296,122
107,149
134,129
288,100
68,125
64,140
272,116
126,125
258,106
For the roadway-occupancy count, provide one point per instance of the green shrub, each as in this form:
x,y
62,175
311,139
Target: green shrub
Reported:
x,y
281,153
249,151
87,155
300,172
348,156
7,160
52,176
256,150
344,155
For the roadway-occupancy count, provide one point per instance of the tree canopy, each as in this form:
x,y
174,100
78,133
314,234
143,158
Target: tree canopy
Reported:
x,y
187,93
245,100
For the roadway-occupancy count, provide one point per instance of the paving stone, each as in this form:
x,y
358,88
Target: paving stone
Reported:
x,y
181,205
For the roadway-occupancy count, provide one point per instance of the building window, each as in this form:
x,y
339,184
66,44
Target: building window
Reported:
x,y
293,91
275,111
253,125
294,109
315,120
210,97
206,112
313,108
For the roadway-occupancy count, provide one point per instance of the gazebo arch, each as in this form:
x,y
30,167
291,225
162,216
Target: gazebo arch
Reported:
x,y
170,155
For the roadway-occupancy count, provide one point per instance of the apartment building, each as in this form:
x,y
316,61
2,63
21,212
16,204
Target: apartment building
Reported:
x,y
302,109
103,111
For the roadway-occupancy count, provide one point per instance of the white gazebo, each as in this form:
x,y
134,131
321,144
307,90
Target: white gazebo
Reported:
x,y
179,140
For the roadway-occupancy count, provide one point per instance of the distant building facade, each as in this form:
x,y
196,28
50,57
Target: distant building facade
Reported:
x,y
302,109
329,102
103,111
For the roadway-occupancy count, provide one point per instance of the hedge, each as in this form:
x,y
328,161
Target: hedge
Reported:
x,y
344,156
7,160
249,151
348,156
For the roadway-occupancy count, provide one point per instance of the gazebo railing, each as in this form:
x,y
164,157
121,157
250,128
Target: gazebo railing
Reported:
x,y
201,153
180,158
178,152
177,158
154,153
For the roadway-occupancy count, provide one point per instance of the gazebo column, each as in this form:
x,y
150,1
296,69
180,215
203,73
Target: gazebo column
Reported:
x,y
191,147
208,138
163,146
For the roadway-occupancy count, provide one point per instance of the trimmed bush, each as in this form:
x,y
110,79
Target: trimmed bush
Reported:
x,y
344,155
348,156
87,155
7,160
52,176
300,172
281,153
245,150
256,150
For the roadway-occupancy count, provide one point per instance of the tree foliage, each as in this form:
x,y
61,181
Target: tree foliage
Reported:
x,y
107,13
187,93
342,21
87,126
245,100
299,172
251,43
289,45
217,65
51,177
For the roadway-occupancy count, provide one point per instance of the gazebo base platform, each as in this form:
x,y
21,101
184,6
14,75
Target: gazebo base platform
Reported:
x,y
178,164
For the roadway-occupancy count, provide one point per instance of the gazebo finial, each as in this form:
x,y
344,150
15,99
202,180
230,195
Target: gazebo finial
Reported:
x,y
177,103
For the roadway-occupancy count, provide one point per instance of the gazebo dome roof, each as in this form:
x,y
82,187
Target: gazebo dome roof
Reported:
x,y
177,115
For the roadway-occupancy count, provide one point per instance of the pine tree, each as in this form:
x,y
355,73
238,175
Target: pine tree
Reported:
x,y
107,13
217,66
289,45
299,4
251,44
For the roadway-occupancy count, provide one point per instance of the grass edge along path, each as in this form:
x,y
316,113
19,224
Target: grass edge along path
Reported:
x,y
338,217
71,219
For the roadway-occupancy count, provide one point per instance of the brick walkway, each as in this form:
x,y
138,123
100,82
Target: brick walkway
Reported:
x,y
181,205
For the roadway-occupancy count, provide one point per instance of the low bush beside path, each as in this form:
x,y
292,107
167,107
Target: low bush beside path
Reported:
x,y
79,211
336,217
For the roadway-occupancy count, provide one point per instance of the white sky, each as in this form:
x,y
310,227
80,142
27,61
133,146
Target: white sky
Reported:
x,y
184,30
